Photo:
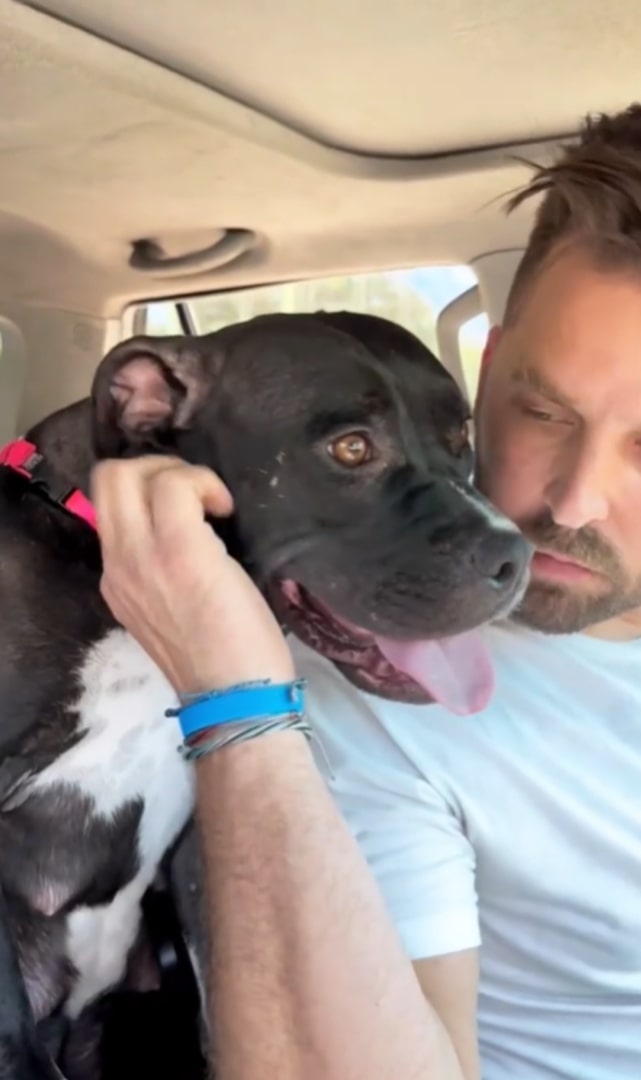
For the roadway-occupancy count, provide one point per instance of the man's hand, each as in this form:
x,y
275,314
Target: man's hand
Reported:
x,y
308,976
170,581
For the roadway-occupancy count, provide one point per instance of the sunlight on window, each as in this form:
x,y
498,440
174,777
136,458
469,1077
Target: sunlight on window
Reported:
x,y
413,298
472,338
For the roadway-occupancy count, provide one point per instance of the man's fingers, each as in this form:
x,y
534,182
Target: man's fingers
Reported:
x,y
118,498
154,493
180,491
178,501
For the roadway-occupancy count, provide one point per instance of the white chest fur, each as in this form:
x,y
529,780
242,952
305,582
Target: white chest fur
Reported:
x,y
129,750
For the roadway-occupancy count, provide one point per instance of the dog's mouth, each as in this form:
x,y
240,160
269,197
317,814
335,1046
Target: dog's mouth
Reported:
x,y
455,672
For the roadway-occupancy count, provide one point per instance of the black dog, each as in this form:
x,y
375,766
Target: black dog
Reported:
x,y
344,443
152,1023
23,1053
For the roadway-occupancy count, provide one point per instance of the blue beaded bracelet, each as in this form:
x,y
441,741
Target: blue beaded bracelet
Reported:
x,y
245,702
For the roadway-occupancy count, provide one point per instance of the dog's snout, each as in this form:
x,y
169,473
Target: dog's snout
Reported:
x,y
501,557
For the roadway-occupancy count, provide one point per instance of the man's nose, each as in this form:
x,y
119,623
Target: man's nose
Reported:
x,y
579,494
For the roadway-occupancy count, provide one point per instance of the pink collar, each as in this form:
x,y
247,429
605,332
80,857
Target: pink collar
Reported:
x,y
25,458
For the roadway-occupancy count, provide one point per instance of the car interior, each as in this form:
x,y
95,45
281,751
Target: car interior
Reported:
x,y
281,157
175,168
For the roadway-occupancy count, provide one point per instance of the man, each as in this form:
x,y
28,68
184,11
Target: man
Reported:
x,y
521,829
507,846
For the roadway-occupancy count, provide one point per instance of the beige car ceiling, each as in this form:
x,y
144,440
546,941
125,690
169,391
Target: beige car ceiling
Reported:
x,y
339,134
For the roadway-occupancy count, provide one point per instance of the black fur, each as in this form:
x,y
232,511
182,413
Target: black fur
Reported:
x,y
401,546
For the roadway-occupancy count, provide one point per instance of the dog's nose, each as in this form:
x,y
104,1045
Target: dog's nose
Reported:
x,y
502,557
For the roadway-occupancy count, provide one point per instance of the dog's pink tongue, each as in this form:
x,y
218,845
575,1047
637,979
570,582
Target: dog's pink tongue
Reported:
x,y
456,672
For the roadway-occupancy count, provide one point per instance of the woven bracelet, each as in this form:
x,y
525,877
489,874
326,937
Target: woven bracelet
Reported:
x,y
232,734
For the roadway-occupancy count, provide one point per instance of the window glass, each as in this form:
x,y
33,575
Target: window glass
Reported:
x,y
414,298
162,318
472,338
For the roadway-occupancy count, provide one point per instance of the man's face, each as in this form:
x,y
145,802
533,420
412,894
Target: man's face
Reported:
x,y
558,436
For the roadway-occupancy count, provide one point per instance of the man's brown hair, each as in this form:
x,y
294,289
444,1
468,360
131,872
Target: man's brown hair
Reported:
x,y
591,196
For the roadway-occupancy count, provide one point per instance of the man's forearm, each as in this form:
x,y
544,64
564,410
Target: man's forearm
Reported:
x,y
308,977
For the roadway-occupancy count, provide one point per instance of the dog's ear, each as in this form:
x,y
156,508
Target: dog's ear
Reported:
x,y
146,388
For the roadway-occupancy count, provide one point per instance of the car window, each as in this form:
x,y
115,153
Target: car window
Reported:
x,y
412,297
472,338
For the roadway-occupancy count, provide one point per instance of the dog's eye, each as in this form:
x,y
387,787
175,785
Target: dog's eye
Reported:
x,y
351,450
460,438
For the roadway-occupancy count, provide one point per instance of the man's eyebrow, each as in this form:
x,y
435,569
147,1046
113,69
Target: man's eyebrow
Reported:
x,y
533,380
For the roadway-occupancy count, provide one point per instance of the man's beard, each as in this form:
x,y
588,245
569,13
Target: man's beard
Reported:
x,y
554,608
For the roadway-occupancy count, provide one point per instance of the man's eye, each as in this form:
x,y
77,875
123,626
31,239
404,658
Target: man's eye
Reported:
x,y
539,414
543,415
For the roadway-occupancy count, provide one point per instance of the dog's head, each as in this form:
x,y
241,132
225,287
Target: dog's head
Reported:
x,y
345,445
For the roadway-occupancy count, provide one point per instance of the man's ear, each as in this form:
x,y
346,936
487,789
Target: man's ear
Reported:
x,y
148,387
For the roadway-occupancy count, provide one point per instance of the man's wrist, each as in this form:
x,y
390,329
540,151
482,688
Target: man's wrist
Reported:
x,y
254,708
195,678
258,769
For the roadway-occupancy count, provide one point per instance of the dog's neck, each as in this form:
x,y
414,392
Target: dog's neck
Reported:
x,y
65,439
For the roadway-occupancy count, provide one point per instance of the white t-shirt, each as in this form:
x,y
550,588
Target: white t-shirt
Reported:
x,y
518,829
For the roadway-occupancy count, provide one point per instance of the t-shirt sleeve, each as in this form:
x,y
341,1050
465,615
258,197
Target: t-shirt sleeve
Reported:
x,y
411,835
